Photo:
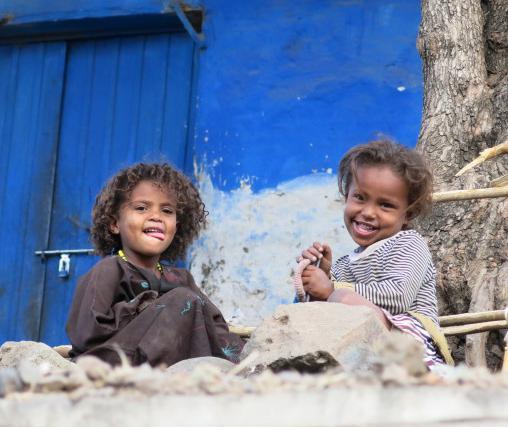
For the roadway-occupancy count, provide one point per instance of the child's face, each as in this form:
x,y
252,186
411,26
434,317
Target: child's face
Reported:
x,y
376,205
146,223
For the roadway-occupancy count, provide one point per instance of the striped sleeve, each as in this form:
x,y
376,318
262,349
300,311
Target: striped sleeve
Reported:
x,y
391,276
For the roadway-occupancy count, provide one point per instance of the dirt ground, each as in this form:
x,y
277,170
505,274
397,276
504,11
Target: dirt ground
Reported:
x,y
93,394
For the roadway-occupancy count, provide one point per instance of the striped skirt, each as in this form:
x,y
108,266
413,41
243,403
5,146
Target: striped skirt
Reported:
x,y
408,324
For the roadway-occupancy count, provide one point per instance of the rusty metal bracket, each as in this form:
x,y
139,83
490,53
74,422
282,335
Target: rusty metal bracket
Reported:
x,y
199,38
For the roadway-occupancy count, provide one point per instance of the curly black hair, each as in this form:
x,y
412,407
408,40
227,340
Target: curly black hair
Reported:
x,y
404,162
190,209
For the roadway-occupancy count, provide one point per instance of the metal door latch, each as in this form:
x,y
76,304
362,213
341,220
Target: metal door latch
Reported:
x,y
45,254
64,265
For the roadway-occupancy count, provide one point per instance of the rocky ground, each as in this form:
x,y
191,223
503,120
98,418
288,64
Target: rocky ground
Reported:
x,y
316,387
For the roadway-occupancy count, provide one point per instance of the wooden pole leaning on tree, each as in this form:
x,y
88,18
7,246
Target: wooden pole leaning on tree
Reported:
x,y
499,187
475,328
499,182
466,318
487,154
480,193
505,357
474,323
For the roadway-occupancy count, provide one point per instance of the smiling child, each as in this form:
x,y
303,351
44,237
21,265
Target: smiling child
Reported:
x,y
386,185
132,302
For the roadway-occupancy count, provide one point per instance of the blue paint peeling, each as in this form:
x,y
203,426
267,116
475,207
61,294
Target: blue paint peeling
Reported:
x,y
245,257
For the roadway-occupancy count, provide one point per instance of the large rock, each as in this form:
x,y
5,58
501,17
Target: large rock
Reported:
x,y
12,353
314,336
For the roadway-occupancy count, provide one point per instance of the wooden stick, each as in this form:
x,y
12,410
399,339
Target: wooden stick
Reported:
x,y
505,357
487,154
480,193
466,318
475,328
499,182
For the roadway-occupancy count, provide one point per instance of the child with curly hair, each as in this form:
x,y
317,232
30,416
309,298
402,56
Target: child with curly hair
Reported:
x,y
132,301
385,185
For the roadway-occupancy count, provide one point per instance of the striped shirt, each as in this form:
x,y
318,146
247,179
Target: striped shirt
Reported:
x,y
396,274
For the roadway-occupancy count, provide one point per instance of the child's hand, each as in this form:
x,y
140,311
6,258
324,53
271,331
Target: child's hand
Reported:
x,y
318,251
316,283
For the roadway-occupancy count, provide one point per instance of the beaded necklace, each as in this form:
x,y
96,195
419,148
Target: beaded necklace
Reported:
x,y
122,255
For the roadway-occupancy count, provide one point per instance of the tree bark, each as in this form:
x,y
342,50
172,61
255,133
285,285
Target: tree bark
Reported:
x,y
464,48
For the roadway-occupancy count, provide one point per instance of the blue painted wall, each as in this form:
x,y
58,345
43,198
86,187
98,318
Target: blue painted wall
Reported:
x,y
285,87
281,91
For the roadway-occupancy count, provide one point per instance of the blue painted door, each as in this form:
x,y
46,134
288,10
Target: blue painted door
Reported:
x,y
122,100
31,81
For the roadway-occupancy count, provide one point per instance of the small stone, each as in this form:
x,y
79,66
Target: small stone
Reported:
x,y
31,374
10,381
395,375
318,361
432,379
12,353
189,365
63,350
94,368
45,378
63,380
402,350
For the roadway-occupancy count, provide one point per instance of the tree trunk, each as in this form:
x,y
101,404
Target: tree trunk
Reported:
x,y
464,49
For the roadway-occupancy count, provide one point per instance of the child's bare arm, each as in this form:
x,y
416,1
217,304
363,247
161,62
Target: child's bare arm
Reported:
x,y
349,297
318,252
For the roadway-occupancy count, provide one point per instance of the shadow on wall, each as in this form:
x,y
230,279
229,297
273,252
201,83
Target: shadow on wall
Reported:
x,y
245,258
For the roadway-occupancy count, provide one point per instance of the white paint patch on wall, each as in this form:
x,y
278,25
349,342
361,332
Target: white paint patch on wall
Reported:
x,y
245,258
